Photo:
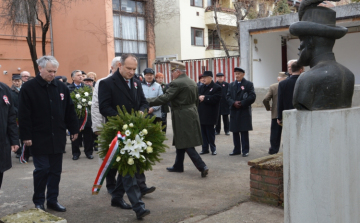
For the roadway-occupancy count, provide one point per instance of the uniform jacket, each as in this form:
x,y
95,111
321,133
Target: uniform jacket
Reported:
x,y
240,118
272,95
285,94
224,107
184,98
45,112
114,91
96,118
72,88
154,90
209,107
8,128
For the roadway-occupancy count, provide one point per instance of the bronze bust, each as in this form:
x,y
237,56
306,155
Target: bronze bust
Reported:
x,y
328,84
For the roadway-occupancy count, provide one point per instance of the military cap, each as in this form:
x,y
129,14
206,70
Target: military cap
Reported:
x,y
16,77
207,74
219,74
177,65
239,69
88,79
282,74
149,71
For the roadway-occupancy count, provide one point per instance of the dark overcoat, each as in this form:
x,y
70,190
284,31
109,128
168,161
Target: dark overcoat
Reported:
x,y
209,107
114,91
45,112
285,94
241,118
8,128
184,97
224,106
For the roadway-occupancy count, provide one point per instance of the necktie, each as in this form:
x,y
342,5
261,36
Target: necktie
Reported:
x,y
148,85
238,85
127,82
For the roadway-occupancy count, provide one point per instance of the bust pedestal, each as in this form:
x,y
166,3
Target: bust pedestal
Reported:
x,y
322,166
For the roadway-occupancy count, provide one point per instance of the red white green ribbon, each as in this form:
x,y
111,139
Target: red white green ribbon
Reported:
x,y
22,157
109,160
85,120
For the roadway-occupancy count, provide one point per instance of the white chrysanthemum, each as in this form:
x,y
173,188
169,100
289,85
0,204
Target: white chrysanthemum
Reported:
x,y
83,100
122,151
89,103
144,131
118,159
125,127
131,125
149,149
149,143
130,161
141,134
79,106
77,96
86,94
127,132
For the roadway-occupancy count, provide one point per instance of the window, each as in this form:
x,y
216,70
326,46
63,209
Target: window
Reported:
x,y
198,3
197,37
214,41
129,27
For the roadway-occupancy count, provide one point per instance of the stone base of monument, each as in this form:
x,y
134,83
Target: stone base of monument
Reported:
x,y
31,216
322,166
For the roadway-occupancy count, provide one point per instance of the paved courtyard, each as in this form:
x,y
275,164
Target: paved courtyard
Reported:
x,y
223,196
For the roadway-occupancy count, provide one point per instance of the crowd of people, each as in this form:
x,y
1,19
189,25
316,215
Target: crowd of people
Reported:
x,y
40,110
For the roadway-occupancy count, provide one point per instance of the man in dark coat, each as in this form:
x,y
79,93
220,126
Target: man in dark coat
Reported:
x,y
45,112
9,138
286,91
123,83
240,96
15,88
86,133
184,97
209,102
224,107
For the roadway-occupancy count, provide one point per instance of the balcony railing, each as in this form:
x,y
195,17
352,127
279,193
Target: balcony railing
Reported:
x,y
220,47
219,9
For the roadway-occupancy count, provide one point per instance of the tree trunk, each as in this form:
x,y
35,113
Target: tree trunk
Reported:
x,y
218,32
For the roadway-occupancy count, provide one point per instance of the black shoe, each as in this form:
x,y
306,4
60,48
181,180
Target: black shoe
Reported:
x,y
75,157
143,213
227,133
90,157
234,154
202,152
214,153
120,203
172,169
56,207
147,190
205,171
217,133
40,206
245,155
96,149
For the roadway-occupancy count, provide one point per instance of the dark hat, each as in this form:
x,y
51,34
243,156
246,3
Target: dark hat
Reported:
x,y
58,77
207,74
16,77
83,72
88,79
318,21
149,71
201,76
239,69
219,74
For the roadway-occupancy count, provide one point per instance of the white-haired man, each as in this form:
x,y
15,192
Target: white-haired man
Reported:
x,y
24,76
45,112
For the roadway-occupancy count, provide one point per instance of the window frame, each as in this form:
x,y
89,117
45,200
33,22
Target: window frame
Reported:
x,y
203,36
192,3
211,45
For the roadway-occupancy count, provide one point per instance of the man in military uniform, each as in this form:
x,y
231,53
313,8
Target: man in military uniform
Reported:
x,y
240,96
184,98
224,107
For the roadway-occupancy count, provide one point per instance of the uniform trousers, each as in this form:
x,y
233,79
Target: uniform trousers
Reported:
x,y
244,142
111,180
225,121
1,177
88,143
47,175
275,136
194,156
208,135
128,185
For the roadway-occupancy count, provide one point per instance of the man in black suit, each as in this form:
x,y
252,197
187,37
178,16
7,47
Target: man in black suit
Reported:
x,y
286,91
121,89
86,133
209,101
240,96
224,107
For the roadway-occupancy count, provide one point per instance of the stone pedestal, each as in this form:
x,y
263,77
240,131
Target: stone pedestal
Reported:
x,y
322,166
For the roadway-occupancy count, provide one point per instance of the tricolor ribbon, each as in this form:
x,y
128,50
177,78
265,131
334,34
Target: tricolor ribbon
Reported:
x,y
85,120
22,157
108,162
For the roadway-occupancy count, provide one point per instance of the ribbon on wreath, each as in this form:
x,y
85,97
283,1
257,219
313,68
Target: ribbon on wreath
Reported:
x,y
22,157
108,162
85,120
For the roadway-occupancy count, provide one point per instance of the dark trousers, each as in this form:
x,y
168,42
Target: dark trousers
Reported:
x,y
208,135
47,175
129,185
275,136
95,138
225,121
88,143
1,177
194,156
244,142
111,180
